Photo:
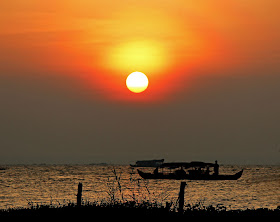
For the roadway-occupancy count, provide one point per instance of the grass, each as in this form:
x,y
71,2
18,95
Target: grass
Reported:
x,y
133,210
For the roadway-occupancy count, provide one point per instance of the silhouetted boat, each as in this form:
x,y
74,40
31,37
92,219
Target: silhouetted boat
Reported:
x,y
196,171
148,163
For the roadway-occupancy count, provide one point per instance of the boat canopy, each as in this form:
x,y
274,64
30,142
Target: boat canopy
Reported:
x,y
149,161
174,165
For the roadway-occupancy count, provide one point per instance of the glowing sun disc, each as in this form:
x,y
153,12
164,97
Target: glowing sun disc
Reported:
x,y
137,82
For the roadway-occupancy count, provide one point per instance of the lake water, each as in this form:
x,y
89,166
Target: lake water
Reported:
x,y
23,185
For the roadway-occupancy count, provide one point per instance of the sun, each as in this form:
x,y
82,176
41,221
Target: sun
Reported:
x,y
137,82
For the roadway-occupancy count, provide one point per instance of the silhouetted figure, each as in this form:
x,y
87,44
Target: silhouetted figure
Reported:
x,y
216,168
156,171
207,170
181,172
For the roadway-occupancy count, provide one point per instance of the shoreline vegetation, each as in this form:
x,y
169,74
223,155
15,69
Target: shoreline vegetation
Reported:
x,y
132,209
118,206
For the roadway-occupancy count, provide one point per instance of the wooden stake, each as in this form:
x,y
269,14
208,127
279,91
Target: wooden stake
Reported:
x,y
79,194
181,197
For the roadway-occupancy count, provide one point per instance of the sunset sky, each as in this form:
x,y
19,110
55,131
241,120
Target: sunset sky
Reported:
x,y
213,70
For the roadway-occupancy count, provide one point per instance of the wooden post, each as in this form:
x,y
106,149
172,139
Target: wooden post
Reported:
x,y
79,194
181,197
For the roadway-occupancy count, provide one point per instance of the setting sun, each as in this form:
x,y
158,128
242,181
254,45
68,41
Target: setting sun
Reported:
x,y
137,82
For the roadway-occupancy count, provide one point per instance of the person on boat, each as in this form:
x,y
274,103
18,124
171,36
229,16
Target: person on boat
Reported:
x,y
216,168
207,172
156,171
180,172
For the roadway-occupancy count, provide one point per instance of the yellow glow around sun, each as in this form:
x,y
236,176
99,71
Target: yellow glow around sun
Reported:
x,y
133,55
137,82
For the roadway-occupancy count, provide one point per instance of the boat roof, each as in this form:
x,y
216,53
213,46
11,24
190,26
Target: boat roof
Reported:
x,y
144,161
173,165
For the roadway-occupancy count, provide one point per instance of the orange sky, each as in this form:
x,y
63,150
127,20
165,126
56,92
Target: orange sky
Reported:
x,y
100,42
213,69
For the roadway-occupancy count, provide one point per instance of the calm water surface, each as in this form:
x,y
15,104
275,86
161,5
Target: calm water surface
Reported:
x,y
22,185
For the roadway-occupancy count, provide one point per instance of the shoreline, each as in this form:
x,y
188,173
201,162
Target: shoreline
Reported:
x,y
132,209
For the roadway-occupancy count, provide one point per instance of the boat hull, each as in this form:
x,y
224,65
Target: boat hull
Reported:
x,y
173,176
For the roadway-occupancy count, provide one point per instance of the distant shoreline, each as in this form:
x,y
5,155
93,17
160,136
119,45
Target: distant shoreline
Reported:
x,y
113,164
